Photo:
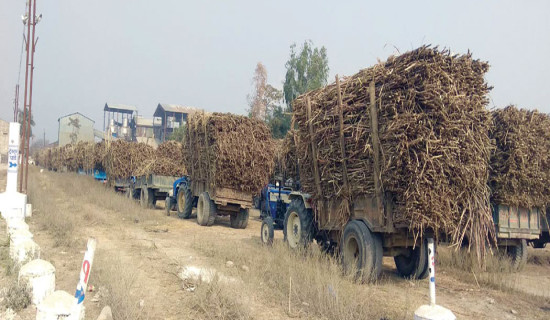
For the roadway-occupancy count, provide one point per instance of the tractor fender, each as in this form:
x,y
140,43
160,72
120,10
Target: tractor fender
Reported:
x,y
304,197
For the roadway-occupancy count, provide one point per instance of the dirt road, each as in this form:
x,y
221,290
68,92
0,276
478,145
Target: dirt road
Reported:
x,y
142,253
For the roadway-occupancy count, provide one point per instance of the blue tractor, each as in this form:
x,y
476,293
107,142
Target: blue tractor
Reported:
x,y
176,199
273,203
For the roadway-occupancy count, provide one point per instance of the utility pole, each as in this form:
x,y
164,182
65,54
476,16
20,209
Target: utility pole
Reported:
x,y
27,113
16,103
44,138
26,21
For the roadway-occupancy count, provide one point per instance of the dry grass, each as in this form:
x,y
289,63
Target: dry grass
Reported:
x,y
84,190
497,272
216,300
117,287
14,294
318,289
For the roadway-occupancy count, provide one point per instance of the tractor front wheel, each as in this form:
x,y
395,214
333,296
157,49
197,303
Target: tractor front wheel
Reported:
x,y
298,225
267,231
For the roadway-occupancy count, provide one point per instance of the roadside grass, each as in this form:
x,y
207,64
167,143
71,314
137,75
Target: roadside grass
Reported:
x,y
497,273
306,284
58,216
14,294
216,300
117,287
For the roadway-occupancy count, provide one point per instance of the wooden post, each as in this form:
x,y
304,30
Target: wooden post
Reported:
x,y
376,149
313,150
342,141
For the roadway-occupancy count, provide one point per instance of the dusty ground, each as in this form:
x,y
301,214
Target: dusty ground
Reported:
x,y
151,249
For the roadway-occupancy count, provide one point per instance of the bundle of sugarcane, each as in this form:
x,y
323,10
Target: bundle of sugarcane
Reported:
x,y
228,151
123,158
428,110
167,161
520,163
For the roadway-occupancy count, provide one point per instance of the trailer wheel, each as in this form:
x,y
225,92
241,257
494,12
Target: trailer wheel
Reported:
x,y
414,264
298,225
358,251
143,199
129,193
240,219
267,234
168,205
206,210
518,254
184,202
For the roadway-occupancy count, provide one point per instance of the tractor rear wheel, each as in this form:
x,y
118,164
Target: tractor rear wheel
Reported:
x,y
240,219
414,264
267,234
298,225
358,251
206,210
184,202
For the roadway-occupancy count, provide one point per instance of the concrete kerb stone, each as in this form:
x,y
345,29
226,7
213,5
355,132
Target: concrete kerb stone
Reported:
x,y
57,305
16,238
40,277
26,251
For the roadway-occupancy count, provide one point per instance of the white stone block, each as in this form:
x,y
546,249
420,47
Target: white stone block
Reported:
x,y
40,276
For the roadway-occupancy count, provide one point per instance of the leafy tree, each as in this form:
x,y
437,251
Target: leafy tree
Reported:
x,y
256,101
279,122
306,70
178,134
24,115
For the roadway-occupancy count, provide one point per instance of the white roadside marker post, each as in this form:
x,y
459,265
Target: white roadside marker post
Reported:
x,y
432,311
84,277
13,203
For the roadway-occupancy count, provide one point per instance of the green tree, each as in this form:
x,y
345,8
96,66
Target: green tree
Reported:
x,y
279,122
306,70
178,134
23,115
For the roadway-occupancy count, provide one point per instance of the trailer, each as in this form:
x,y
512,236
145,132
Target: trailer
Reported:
x,y
211,202
150,188
515,226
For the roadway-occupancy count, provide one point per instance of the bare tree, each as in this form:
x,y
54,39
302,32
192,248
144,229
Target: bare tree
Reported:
x,y
257,101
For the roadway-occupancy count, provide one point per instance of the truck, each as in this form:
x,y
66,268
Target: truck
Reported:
x,y
150,188
211,202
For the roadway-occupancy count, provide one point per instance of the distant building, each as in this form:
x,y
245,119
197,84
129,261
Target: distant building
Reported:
x,y
119,121
4,134
75,127
171,116
145,131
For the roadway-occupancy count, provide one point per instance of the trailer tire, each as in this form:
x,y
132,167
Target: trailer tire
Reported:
x,y
184,202
518,254
143,198
298,225
168,205
379,255
267,231
206,210
414,265
240,219
358,251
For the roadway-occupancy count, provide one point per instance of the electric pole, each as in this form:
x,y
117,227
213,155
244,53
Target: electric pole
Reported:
x,y
31,18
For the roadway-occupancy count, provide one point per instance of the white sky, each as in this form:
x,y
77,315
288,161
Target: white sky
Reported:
x,y
203,53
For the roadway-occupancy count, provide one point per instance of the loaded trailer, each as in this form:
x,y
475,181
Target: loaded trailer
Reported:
x,y
211,202
150,188
369,234
515,227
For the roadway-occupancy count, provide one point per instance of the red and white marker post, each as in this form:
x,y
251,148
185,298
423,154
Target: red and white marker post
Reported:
x,y
84,277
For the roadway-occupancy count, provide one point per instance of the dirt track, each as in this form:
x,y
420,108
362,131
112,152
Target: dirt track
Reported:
x,y
156,248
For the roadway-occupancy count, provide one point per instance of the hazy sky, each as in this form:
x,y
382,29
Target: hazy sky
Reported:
x,y
203,53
